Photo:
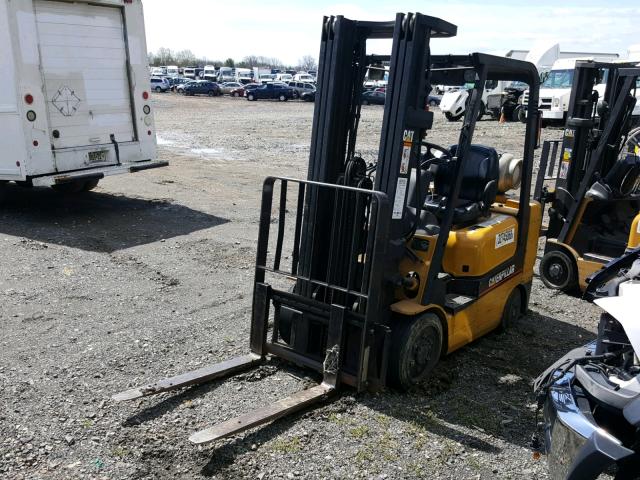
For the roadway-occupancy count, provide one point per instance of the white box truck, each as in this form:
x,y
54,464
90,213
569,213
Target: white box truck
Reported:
x,y
74,92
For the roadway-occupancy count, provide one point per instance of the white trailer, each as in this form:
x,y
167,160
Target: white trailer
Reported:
x,y
74,92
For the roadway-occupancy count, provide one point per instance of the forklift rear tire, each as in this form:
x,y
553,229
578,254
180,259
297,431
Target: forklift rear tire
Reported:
x,y
70,187
558,271
90,185
512,309
416,349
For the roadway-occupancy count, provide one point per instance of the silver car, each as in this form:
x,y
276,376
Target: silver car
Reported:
x,y
227,87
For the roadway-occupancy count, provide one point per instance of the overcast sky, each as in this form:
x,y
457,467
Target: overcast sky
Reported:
x,y
290,29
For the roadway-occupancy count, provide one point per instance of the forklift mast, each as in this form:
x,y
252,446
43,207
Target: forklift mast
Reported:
x,y
595,131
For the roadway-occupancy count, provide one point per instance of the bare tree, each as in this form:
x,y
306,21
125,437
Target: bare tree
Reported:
x,y
307,63
185,58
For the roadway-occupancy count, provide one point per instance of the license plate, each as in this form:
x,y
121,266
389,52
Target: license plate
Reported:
x,y
98,157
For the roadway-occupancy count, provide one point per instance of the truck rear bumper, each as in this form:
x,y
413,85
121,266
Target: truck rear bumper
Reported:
x,y
552,115
95,173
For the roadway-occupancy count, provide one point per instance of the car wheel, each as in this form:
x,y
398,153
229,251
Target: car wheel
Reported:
x,y
282,98
250,97
451,117
158,90
365,102
211,93
418,345
236,94
433,103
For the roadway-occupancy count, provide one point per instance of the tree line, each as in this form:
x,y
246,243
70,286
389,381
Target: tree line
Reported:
x,y
186,58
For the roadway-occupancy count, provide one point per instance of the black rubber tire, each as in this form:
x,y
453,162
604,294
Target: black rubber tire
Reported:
x,y
481,112
90,185
69,188
522,115
158,90
451,117
417,346
282,98
250,97
558,271
365,102
236,94
211,93
433,103
512,309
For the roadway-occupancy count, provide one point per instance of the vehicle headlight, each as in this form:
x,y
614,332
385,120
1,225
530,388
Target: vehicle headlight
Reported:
x,y
556,102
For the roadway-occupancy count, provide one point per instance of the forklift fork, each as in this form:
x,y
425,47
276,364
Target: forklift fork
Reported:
x,y
228,368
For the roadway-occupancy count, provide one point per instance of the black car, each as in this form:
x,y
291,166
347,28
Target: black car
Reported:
x,y
373,98
203,87
273,91
308,96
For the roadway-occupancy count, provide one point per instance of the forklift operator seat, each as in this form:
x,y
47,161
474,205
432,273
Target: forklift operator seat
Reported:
x,y
479,185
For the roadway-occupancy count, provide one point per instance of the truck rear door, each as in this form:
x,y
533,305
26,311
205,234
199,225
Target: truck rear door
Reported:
x,y
85,74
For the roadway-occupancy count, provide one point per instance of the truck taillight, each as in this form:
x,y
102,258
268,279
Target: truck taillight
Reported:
x,y
28,99
145,95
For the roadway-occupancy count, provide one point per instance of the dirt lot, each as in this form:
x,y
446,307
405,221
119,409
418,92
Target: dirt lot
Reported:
x,y
151,275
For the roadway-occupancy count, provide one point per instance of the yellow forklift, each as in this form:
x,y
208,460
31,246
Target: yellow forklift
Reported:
x,y
370,273
589,182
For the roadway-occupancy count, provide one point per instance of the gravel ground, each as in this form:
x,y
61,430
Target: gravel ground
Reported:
x,y
151,275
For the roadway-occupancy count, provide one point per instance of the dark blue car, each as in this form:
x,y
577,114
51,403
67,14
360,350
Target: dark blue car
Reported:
x,y
203,87
273,91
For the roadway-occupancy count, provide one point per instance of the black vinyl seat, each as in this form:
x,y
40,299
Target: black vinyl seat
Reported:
x,y
479,185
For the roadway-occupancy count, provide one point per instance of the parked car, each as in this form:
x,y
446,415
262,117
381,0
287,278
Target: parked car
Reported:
x,y
273,91
160,84
434,100
308,96
241,91
301,87
202,87
304,77
228,87
175,81
373,98
179,88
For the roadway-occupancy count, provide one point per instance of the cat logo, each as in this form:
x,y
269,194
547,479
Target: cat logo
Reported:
x,y
503,275
505,238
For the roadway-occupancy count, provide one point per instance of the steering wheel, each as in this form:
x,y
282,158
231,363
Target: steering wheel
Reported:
x,y
432,159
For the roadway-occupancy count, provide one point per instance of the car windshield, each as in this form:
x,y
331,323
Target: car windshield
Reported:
x,y
559,79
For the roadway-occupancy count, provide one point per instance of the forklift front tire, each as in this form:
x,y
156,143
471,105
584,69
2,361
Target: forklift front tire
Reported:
x,y
558,271
417,345
512,309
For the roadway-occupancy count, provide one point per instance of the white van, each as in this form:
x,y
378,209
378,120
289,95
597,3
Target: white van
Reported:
x,y
173,71
209,73
226,74
74,92
304,77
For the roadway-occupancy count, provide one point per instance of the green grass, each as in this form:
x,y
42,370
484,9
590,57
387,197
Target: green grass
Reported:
x,y
287,445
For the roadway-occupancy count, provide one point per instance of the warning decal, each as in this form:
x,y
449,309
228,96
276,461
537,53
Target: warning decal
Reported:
x,y
398,204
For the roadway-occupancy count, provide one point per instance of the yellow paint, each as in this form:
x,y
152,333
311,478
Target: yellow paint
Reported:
x,y
634,234
485,313
585,269
474,251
